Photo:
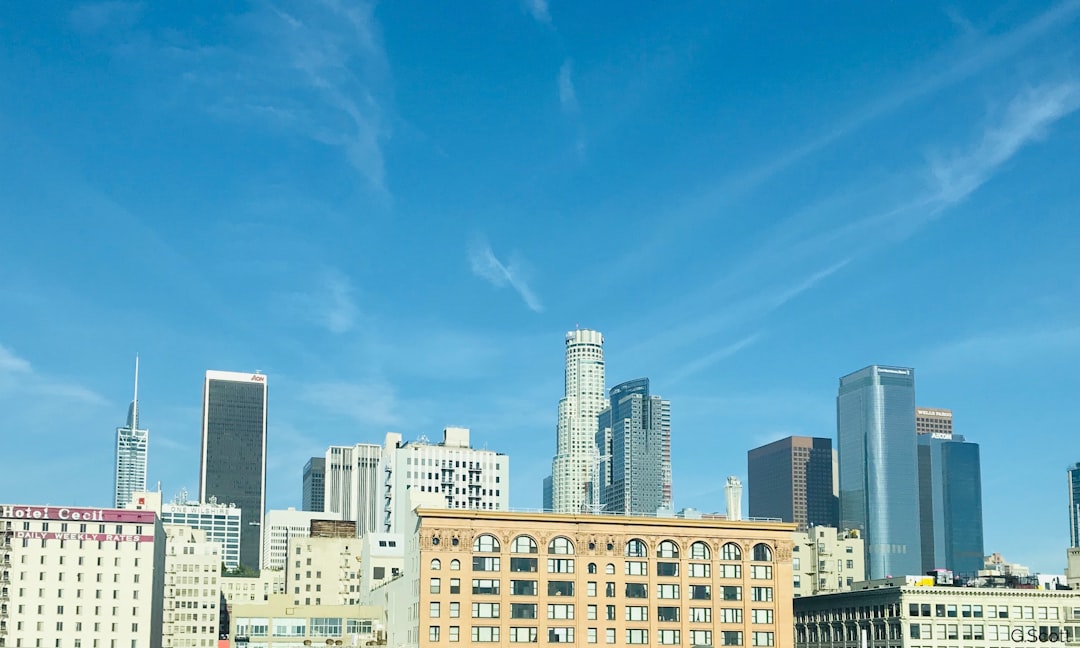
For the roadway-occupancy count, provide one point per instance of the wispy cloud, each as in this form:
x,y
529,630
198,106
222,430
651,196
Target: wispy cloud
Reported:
x,y
1027,118
11,363
712,358
1003,348
94,17
538,9
567,93
336,309
18,377
487,266
373,403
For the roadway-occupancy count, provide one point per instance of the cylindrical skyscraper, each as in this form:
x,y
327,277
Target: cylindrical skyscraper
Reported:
x,y
573,471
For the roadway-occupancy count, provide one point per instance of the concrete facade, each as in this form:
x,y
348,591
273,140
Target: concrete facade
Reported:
x,y
825,559
192,588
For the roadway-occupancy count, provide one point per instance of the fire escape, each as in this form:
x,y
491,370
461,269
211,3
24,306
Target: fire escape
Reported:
x,y
5,580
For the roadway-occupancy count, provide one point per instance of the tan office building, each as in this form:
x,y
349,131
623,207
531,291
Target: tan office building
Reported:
x,y
491,577
933,420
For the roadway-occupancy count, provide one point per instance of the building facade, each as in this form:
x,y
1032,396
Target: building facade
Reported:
x,y
238,590
1074,505
634,443
878,461
825,559
280,622
280,527
498,578
465,477
912,612
354,485
324,570
71,576
950,503
221,523
933,420
314,495
575,468
192,589
792,479
132,445
233,463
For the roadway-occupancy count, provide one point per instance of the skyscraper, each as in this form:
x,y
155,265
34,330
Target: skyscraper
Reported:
x,y
355,486
933,421
314,484
1074,506
633,439
233,466
131,448
574,468
950,503
879,486
792,479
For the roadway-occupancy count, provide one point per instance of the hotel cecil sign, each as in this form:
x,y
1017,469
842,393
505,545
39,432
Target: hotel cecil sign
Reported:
x,y
70,514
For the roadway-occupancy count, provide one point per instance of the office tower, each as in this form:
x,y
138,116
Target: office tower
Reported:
x,y
90,575
220,522
549,495
792,479
355,485
879,486
1074,506
131,448
633,439
574,477
314,497
279,526
950,503
233,467
933,421
192,615
461,476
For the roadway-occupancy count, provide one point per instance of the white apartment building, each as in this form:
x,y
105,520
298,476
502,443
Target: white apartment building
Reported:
x,y
324,571
80,577
192,589
252,589
575,468
462,476
825,559
354,485
911,612
278,527
382,558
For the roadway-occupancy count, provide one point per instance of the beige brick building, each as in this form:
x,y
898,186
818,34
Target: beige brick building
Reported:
x,y
490,577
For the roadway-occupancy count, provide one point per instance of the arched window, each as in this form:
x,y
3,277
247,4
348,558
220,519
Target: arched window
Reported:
x,y
730,551
436,564
486,543
667,549
455,564
699,551
560,545
610,569
762,552
523,544
592,568
636,549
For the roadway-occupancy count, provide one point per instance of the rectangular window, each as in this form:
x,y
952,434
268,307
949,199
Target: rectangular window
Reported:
x,y
701,592
590,612
667,613
637,568
637,613
762,616
730,571
731,638
761,639
700,615
523,610
433,633
668,591
700,570
637,590
761,594
485,586
667,569
591,635
561,635
590,588
455,586
560,565
701,637
455,633
560,588
667,637
609,635
485,610
523,587
761,572
522,635
731,615
436,586
433,610
523,564
485,634
637,636
485,563
455,609
731,593
560,611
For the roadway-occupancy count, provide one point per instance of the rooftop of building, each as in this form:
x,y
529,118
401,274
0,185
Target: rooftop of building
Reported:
x,y
535,516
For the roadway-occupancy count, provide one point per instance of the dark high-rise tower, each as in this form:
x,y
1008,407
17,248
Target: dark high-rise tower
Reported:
x,y
233,466
1074,506
792,479
314,484
634,441
950,503
879,485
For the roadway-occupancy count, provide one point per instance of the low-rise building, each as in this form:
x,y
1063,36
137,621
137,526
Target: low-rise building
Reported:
x,y
281,623
253,589
192,588
914,612
324,571
89,576
1072,568
497,577
279,526
221,522
825,559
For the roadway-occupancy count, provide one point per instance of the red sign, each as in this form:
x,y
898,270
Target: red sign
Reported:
x,y
258,378
72,514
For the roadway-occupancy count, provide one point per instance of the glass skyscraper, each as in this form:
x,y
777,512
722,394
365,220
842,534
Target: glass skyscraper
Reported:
x,y
132,444
233,466
1074,506
633,438
879,487
950,503
314,495
792,479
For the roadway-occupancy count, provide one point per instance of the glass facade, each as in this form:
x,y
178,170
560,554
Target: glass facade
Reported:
x,y
233,458
792,479
879,487
633,433
1074,506
950,504
314,496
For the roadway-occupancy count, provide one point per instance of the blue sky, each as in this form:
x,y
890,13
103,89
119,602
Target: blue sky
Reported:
x,y
397,211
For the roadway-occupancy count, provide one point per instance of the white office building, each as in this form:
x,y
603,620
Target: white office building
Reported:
x,y
354,485
825,560
575,469
192,588
132,444
80,576
278,528
221,522
463,477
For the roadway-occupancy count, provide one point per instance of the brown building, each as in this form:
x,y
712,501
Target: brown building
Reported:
x,y
933,421
794,479
497,578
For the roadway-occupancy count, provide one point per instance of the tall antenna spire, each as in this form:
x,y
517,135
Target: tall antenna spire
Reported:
x,y
135,400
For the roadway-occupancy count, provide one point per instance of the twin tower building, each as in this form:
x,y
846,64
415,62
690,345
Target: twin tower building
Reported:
x,y
613,448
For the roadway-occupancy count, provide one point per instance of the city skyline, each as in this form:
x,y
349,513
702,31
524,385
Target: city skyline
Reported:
x,y
396,210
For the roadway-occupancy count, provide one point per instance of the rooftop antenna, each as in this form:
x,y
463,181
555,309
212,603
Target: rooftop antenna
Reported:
x,y
135,400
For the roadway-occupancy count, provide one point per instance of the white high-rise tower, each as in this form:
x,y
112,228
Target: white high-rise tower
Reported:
x,y
574,471
131,447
